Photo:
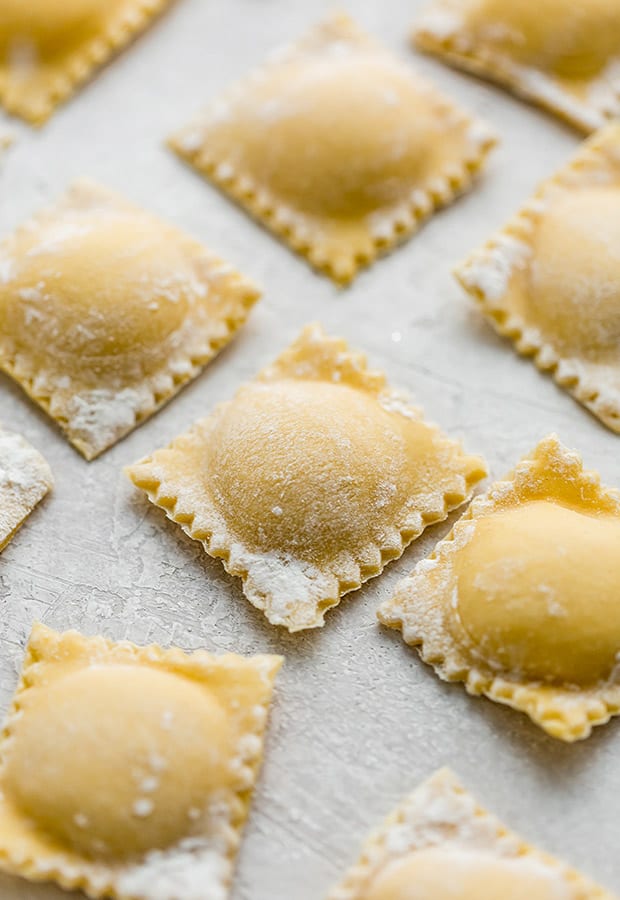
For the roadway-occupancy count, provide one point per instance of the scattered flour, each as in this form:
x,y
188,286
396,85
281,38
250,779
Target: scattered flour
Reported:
x,y
25,478
441,23
192,870
439,814
100,417
143,807
490,270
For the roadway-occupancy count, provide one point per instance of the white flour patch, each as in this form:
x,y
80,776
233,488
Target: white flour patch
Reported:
x,y
25,478
491,270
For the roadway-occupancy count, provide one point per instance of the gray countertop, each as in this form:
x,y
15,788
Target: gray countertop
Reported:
x,y
358,719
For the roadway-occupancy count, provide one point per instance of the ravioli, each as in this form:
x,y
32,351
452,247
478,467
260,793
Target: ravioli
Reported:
x,y
561,55
440,845
106,312
550,280
48,48
511,604
25,479
337,147
310,480
145,812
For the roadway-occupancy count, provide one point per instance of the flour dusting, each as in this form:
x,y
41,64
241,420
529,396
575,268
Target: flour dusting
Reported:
x,y
440,22
194,869
25,478
441,816
491,270
100,417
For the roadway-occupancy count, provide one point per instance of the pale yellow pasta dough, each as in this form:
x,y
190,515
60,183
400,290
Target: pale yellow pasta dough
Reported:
x,y
512,603
572,40
49,47
116,287
310,480
575,279
562,55
440,873
68,734
526,588
105,312
116,759
438,844
283,427
25,479
550,279
337,147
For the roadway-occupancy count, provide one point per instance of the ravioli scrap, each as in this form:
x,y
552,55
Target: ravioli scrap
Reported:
x,y
25,479
562,55
519,601
149,812
337,147
310,480
550,280
48,48
106,312
440,845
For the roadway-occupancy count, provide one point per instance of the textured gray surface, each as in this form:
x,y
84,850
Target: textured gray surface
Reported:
x,y
359,719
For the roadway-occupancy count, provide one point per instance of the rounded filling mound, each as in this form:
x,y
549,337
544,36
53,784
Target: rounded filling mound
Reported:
x,y
116,760
536,594
106,293
342,136
315,468
575,276
568,39
444,873
51,27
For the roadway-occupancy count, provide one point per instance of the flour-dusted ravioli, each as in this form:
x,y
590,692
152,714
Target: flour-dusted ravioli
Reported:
x,y
550,280
128,771
439,844
520,600
310,480
25,478
106,311
49,47
337,147
561,54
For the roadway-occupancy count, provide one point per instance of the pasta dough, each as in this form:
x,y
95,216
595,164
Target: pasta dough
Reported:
x,y
440,845
49,47
562,55
25,478
106,312
310,480
511,604
155,810
550,280
337,147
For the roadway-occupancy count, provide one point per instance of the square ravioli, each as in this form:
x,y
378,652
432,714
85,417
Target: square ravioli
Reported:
x,y
519,600
550,280
150,812
561,54
310,480
337,147
439,844
106,312
25,478
50,47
